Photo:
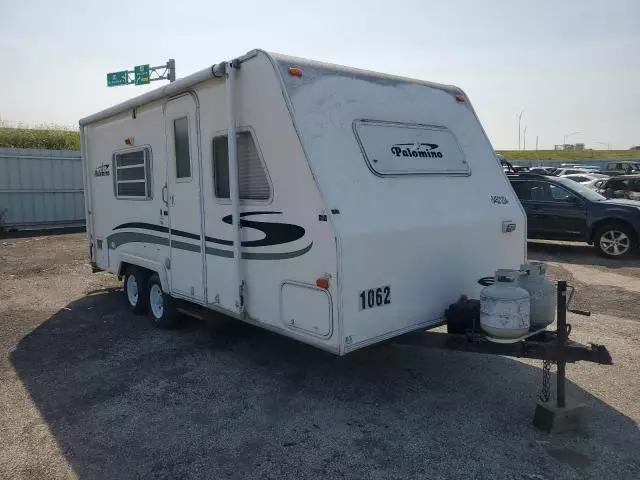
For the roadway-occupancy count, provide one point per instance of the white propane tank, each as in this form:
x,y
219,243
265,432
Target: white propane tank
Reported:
x,y
541,292
504,306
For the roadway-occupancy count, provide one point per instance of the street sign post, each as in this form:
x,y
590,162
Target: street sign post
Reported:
x,y
117,78
141,74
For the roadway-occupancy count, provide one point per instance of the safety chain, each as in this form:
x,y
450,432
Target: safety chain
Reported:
x,y
545,392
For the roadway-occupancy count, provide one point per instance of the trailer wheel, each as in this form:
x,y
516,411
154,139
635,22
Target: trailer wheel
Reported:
x,y
135,287
615,240
162,312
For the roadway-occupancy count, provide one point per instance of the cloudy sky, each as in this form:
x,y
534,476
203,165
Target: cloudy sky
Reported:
x,y
572,65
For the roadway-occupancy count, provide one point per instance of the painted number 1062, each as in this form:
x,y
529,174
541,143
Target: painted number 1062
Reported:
x,y
375,297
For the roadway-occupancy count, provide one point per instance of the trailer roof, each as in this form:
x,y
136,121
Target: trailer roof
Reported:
x,y
214,71
357,72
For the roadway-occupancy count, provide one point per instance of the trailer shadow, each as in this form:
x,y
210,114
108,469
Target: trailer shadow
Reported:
x,y
226,400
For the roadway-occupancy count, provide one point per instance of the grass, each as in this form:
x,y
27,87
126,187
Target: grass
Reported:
x,y
561,155
53,137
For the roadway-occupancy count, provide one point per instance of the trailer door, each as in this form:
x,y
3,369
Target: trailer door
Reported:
x,y
186,271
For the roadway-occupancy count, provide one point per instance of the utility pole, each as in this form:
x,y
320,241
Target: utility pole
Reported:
x,y
608,145
519,122
536,143
524,138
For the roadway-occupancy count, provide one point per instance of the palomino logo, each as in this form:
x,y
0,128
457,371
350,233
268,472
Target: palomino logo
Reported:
x,y
417,150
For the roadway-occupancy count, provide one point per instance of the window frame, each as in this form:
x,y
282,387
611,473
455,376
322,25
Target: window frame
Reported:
x,y
176,178
560,202
227,201
552,201
148,172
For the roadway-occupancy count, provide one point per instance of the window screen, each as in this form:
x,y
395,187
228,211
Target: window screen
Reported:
x,y
132,176
181,138
252,176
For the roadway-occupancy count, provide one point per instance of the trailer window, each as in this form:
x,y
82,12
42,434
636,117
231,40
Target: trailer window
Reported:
x,y
391,148
132,178
252,176
181,143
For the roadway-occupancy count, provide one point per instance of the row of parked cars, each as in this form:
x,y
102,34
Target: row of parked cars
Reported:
x,y
574,203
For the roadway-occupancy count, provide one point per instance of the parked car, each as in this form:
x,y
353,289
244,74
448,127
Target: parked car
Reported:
x,y
560,209
569,171
595,184
543,170
584,177
579,165
627,186
621,168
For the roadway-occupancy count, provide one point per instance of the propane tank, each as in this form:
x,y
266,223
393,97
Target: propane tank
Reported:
x,y
541,292
504,306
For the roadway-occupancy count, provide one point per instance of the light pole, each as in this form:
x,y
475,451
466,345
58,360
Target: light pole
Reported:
x,y
519,122
564,140
608,145
524,138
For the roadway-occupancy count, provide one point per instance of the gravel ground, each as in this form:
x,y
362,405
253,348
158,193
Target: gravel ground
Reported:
x,y
88,390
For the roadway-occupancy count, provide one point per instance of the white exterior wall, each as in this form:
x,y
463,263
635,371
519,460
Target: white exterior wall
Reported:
x,y
103,140
280,279
261,107
430,238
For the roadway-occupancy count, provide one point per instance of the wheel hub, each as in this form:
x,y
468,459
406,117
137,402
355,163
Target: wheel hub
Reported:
x,y
156,301
615,242
132,290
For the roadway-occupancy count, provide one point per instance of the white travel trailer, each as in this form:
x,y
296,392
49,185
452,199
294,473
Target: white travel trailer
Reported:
x,y
336,206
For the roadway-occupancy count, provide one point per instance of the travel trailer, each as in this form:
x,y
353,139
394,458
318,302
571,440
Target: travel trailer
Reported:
x,y
336,206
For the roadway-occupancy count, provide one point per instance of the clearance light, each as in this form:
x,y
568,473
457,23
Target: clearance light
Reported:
x,y
460,98
322,282
128,140
295,71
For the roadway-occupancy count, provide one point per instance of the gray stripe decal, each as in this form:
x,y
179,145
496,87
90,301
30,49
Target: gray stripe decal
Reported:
x,y
120,238
116,239
276,256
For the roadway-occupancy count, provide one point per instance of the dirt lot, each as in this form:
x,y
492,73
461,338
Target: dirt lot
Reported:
x,y
88,390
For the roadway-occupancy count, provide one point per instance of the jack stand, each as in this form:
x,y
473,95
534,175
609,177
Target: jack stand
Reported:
x,y
559,417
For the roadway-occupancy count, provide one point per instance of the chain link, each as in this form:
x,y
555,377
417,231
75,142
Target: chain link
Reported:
x,y
545,392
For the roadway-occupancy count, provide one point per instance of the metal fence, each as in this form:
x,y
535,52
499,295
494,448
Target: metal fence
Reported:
x,y
40,188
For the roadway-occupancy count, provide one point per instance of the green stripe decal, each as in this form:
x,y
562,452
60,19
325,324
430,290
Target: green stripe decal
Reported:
x,y
115,240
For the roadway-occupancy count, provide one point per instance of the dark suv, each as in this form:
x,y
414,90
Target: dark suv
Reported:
x,y
561,209
626,186
621,168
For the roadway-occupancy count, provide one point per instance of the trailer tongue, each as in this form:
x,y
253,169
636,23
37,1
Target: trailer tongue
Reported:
x,y
548,346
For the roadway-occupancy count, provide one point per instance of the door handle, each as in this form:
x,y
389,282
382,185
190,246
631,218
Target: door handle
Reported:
x,y
164,194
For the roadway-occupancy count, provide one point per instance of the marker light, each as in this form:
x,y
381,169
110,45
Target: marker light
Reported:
x,y
322,282
295,71
460,98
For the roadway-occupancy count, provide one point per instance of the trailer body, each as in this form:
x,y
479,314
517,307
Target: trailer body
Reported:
x,y
362,204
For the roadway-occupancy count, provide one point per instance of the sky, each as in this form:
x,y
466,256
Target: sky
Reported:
x,y
570,65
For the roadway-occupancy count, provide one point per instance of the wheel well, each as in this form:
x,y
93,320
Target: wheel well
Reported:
x,y
124,266
610,221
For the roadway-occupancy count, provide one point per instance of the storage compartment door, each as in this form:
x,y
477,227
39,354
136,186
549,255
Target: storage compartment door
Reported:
x,y
306,309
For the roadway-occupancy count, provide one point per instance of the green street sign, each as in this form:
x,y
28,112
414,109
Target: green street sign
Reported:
x,y
141,73
116,78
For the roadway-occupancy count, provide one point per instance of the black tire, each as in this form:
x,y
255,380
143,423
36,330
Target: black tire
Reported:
x,y
162,311
615,240
135,279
